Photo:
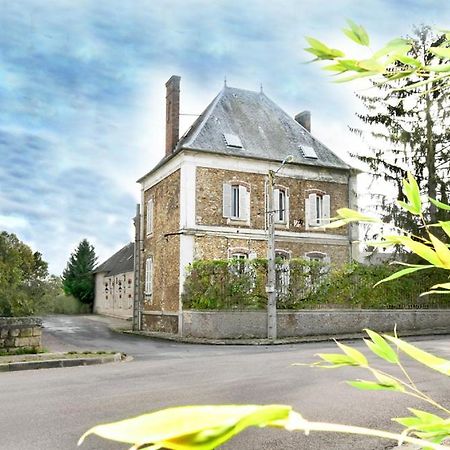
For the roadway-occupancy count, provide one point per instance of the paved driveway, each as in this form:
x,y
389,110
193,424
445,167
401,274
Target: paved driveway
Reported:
x,y
51,408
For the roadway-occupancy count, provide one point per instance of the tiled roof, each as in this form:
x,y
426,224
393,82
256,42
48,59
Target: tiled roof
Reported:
x,y
262,127
121,262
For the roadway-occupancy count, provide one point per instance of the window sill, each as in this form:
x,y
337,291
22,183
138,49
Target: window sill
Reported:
x,y
237,221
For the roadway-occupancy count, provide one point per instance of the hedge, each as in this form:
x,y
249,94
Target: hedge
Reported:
x,y
301,283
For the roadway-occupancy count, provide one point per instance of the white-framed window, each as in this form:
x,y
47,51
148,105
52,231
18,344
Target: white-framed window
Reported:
x,y
281,205
148,289
149,221
282,271
317,209
236,201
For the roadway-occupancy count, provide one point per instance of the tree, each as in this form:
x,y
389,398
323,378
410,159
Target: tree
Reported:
x,y
23,276
78,276
413,126
412,76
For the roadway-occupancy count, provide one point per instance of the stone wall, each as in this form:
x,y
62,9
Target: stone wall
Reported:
x,y
253,324
163,245
19,333
218,247
209,195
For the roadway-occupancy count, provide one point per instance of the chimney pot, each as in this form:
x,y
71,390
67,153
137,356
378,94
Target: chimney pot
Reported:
x,y
172,113
304,119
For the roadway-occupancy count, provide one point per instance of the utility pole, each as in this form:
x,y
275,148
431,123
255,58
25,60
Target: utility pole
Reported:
x,y
137,271
270,288
271,277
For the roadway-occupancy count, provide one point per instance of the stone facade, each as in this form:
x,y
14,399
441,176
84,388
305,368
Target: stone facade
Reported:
x,y
162,244
20,333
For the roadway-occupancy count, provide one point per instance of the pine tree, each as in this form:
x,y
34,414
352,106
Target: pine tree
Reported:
x,y
78,276
413,125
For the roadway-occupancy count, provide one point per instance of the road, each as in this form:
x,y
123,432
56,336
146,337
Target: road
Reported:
x,y
51,408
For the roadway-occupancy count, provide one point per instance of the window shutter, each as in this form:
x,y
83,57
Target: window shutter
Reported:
x,y
286,213
244,200
276,205
226,200
150,216
148,275
312,210
325,210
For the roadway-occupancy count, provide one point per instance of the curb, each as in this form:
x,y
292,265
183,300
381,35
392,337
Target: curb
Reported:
x,y
282,341
55,363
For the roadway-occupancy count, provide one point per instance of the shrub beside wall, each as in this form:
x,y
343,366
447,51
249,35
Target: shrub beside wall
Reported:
x,y
304,284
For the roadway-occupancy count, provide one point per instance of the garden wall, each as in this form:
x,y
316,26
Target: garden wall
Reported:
x,y
20,332
253,324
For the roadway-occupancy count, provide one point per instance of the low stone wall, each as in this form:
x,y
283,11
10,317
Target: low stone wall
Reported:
x,y
20,332
253,324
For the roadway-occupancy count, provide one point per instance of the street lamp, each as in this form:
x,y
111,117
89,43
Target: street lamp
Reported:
x,y
270,286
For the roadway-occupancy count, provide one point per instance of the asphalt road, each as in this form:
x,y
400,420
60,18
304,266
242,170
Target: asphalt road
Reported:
x,y
51,408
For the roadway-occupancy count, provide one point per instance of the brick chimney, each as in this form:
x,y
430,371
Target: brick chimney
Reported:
x,y
304,119
172,113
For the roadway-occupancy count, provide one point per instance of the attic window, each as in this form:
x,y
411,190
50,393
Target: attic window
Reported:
x,y
232,140
308,151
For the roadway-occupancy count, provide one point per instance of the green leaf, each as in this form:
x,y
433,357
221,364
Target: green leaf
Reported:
x,y
439,68
439,204
371,386
407,207
397,46
356,76
354,354
443,52
439,364
422,250
446,227
442,285
351,214
442,251
372,65
357,33
401,273
380,347
321,50
408,60
336,224
412,193
337,359
193,427
387,381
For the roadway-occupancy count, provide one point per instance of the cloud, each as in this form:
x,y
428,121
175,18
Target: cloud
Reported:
x,y
82,94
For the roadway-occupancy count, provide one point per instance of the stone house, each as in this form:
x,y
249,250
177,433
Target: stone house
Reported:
x,y
206,198
114,284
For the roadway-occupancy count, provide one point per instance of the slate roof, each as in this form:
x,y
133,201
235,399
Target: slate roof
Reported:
x,y
265,130
121,262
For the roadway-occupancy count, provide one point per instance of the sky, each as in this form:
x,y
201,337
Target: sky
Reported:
x,y
82,96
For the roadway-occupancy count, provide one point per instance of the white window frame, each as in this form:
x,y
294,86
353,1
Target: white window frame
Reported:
x,y
236,201
285,277
149,217
148,288
317,209
281,211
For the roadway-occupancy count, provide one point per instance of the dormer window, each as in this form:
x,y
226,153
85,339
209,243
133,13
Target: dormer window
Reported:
x,y
232,140
308,151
